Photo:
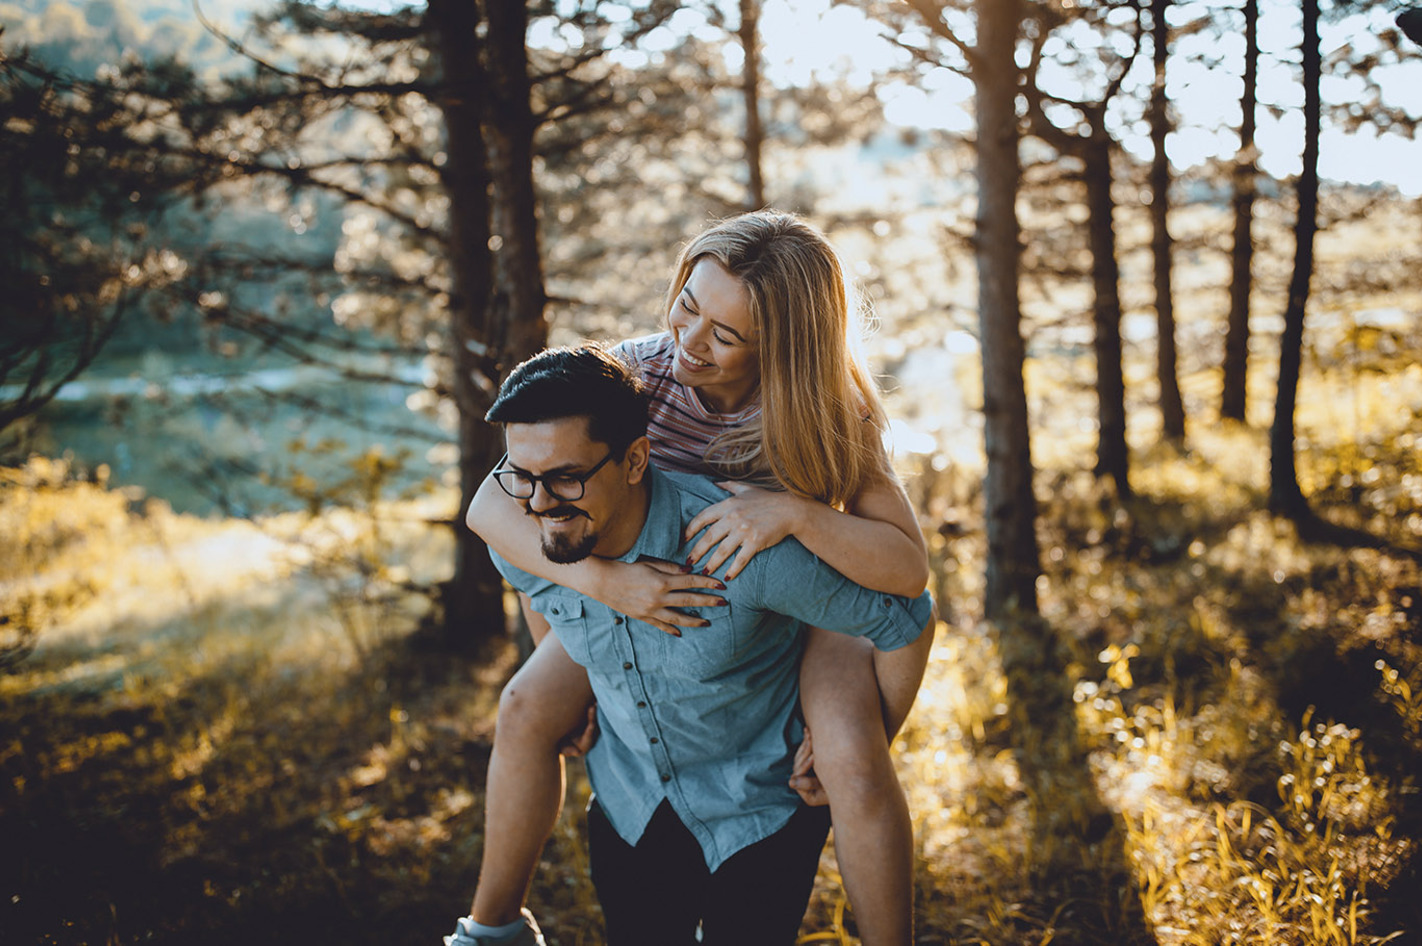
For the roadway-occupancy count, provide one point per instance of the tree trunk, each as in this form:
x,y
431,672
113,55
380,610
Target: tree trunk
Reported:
x,y
1285,497
1011,508
473,598
749,33
1172,411
1111,456
1236,356
517,326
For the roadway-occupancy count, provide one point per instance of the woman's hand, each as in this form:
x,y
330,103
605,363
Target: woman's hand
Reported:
x,y
652,591
582,737
803,778
752,519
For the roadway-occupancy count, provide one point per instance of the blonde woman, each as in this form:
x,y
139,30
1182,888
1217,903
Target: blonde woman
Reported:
x,y
757,382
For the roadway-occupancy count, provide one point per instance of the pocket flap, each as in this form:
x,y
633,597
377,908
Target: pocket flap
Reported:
x,y
564,609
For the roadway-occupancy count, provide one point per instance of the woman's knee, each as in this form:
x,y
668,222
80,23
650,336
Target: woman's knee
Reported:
x,y
529,716
517,717
546,698
852,761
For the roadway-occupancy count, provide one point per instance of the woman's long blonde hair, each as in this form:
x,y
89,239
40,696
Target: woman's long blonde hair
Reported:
x,y
821,418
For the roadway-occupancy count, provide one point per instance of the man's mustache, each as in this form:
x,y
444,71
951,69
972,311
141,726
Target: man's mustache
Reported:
x,y
555,512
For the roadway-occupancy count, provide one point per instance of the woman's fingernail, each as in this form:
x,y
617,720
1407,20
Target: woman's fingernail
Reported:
x,y
686,569
720,586
722,603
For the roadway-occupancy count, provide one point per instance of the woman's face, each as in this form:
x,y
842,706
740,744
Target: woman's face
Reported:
x,y
716,348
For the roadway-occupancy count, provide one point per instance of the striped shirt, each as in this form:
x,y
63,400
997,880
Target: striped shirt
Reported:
x,y
680,426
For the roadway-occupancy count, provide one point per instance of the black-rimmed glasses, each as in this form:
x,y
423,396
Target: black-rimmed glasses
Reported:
x,y
568,487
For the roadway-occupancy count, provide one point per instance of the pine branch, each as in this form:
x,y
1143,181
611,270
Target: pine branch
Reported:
x,y
931,17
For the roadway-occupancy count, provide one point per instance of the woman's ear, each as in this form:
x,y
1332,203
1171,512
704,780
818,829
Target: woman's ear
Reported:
x,y
638,456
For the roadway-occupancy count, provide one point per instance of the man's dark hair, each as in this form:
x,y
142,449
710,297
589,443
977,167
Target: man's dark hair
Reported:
x,y
582,381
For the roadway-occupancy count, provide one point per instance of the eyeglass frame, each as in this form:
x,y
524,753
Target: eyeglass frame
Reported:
x,y
580,478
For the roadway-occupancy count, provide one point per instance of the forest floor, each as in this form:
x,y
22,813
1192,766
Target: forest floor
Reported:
x,y
231,732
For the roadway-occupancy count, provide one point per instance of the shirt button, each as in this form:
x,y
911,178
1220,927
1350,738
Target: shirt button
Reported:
x,y
888,602
617,619
641,704
627,666
655,740
666,778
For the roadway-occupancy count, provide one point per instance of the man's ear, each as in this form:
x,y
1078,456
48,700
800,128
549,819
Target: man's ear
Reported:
x,y
638,456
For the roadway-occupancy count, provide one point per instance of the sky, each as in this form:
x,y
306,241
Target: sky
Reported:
x,y
807,37
804,39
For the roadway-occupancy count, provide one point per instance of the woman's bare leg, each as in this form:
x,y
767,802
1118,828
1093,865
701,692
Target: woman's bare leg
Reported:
x,y
852,722
547,698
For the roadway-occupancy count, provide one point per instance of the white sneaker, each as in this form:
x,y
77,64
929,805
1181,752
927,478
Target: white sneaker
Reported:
x,y
529,935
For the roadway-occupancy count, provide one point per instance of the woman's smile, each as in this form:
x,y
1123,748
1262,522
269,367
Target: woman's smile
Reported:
x,y
692,361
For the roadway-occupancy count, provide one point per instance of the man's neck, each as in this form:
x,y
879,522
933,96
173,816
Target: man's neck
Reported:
x,y
630,522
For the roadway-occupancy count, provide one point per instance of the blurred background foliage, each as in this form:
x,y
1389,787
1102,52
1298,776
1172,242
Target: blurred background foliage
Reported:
x,y
252,302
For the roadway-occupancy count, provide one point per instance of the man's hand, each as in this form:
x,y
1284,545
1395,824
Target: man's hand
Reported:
x,y
579,740
803,779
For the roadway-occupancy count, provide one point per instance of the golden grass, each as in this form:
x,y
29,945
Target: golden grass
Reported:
x,y
1195,631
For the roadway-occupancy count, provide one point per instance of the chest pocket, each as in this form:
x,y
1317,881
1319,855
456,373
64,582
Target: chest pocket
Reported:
x,y
567,620
701,653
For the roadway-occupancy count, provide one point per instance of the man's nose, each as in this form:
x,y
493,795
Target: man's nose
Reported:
x,y
542,500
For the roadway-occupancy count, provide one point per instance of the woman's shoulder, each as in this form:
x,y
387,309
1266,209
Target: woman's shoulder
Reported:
x,y
645,351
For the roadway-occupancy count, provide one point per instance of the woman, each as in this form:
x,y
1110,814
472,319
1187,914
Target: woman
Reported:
x,y
756,381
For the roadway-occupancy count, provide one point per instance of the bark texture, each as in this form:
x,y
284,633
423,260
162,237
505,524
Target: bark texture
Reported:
x,y
1011,508
1236,356
749,34
1112,458
496,307
1172,409
1285,497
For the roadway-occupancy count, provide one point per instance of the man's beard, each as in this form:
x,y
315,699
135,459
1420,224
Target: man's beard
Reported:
x,y
561,549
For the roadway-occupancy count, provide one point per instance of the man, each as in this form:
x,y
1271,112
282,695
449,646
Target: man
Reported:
x,y
692,821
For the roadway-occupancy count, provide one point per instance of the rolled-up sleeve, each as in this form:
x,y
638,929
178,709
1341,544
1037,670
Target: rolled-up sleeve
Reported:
x,y
794,582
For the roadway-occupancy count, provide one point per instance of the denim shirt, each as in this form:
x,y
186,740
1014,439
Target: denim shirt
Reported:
x,y
707,721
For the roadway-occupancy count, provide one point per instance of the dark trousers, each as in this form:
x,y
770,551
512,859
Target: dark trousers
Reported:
x,y
655,893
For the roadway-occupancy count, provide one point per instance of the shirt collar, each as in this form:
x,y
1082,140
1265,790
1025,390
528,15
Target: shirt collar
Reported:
x,y
661,534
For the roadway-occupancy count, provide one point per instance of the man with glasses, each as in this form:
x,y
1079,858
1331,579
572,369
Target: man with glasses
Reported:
x,y
692,822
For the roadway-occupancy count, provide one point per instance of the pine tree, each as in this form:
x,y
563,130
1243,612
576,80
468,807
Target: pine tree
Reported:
x,y
1172,409
1245,174
1087,138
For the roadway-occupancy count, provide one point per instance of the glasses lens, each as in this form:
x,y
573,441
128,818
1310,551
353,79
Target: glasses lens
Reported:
x,y
515,484
567,488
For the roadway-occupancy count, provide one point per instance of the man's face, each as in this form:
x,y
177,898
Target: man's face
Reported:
x,y
571,530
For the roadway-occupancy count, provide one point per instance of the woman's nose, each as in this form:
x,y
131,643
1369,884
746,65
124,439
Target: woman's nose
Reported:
x,y
691,329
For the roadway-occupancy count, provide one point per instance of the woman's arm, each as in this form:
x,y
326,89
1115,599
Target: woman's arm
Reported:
x,y
876,543
648,592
